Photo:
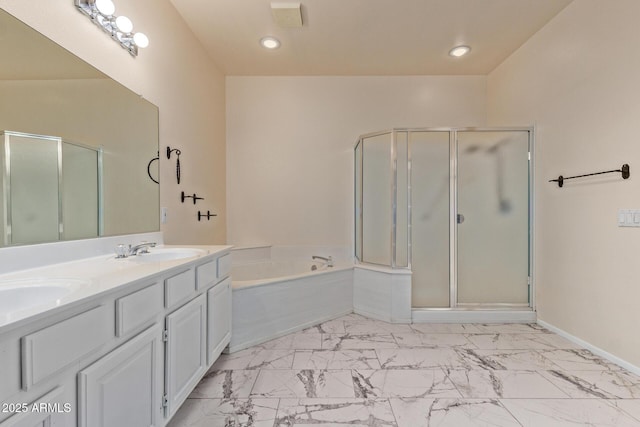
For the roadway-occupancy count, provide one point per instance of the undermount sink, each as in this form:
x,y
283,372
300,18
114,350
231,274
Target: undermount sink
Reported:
x,y
18,295
167,254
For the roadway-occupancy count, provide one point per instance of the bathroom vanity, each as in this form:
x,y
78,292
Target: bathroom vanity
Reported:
x,y
124,346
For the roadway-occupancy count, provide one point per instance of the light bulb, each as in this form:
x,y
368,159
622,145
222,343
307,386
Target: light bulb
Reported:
x,y
270,42
124,24
459,51
141,40
105,7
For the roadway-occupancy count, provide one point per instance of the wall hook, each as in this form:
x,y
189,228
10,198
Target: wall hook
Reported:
x,y
208,215
194,197
149,168
178,152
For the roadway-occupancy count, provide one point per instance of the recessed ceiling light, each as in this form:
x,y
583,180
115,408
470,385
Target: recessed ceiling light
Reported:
x,y
459,51
270,42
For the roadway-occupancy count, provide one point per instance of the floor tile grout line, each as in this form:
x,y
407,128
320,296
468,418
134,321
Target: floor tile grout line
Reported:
x,y
555,385
610,403
393,412
446,374
541,354
254,382
276,418
509,412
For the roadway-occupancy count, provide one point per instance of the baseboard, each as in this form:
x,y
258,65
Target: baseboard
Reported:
x,y
473,316
592,348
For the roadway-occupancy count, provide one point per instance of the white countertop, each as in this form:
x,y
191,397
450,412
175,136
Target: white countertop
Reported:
x,y
89,277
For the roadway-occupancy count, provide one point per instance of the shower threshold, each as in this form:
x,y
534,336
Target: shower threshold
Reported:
x,y
476,313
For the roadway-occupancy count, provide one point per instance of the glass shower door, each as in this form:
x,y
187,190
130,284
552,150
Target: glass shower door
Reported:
x,y
430,217
32,177
80,192
376,212
492,217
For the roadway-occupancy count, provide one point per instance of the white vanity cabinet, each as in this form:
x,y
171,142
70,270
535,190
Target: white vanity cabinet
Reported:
x,y
214,276
218,319
185,352
129,357
197,332
124,387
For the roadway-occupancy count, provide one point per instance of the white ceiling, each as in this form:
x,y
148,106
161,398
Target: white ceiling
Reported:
x,y
366,37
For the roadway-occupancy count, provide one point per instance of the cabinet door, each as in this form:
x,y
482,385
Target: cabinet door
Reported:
x,y
218,319
185,351
124,387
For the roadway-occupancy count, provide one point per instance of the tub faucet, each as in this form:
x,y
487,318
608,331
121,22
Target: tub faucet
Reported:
x,y
142,248
328,260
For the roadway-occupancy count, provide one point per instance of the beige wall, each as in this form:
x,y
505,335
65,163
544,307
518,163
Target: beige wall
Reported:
x,y
175,74
290,146
578,81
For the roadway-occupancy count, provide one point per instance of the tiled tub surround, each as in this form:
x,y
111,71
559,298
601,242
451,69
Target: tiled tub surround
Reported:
x,y
358,371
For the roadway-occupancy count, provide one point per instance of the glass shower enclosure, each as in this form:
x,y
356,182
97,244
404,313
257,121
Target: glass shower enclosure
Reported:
x,y
454,207
50,189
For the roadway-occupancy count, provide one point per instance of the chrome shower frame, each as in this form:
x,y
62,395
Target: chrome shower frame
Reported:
x,y
453,207
6,182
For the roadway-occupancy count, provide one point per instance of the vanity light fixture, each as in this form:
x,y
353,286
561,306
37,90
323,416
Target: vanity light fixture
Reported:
x,y
270,42
101,12
459,51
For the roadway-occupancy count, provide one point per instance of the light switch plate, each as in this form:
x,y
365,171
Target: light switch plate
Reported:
x,y
628,217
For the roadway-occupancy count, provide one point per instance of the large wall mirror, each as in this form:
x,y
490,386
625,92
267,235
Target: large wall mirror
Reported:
x,y
77,148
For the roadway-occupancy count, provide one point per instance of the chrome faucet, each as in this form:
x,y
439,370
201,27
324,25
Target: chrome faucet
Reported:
x,y
142,248
328,260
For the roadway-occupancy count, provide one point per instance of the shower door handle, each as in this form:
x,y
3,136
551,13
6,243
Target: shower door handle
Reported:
x,y
460,218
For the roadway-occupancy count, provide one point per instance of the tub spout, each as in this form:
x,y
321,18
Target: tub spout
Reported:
x,y
328,260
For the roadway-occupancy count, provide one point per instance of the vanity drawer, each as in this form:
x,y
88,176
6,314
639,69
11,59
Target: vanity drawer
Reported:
x,y
179,287
207,273
224,266
137,308
59,346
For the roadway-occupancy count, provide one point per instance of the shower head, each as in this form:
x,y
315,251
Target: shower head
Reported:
x,y
495,147
471,149
504,206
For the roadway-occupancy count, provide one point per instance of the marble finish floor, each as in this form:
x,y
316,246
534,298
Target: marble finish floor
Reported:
x,y
355,371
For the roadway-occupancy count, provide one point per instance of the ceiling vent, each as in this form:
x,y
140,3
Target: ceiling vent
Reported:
x,y
287,15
